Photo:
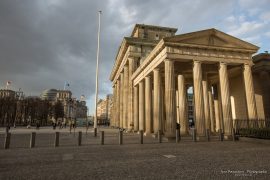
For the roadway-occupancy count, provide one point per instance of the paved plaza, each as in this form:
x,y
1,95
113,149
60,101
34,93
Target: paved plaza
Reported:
x,y
132,160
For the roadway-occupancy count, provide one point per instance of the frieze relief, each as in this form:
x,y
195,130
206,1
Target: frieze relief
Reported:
x,y
209,53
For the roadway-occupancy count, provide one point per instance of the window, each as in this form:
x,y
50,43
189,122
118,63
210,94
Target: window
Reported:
x,y
157,37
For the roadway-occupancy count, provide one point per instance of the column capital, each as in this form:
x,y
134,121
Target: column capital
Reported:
x,y
148,76
223,63
169,60
196,61
247,65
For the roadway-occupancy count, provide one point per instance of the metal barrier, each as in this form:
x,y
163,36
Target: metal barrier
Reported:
x,y
7,140
208,134
177,135
80,138
194,135
120,137
159,136
141,136
102,137
56,139
32,139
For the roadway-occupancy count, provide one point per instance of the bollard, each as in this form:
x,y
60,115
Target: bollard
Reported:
x,y
56,140
7,140
95,132
194,135
233,134
102,137
159,136
177,135
120,137
32,139
80,138
141,136
220,135
208,134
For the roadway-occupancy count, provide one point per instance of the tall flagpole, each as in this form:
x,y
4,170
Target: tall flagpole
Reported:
x,y
95,120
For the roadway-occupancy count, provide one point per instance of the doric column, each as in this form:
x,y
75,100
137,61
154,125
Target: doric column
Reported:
x,y
170,99
265,78
113,114
182,105
198,98
211,108
136,109
121,99
157,101
225,98
148,105
206,103
250,95
118,104
217,108
132,63
141,106
125,101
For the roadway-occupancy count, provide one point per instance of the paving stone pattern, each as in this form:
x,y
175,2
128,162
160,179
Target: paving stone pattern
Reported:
x,y
132,160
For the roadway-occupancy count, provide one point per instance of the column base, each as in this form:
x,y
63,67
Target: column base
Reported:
x,y
228,137
147,134
169,139
170,135
201,138
155,135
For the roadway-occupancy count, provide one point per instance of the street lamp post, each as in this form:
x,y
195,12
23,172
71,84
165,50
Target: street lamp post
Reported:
x,y
96,100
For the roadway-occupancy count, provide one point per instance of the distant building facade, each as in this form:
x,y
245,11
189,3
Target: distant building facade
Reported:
x,y
51,106
104,107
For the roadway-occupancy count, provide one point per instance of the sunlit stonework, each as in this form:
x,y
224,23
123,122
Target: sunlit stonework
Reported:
x,y
154,68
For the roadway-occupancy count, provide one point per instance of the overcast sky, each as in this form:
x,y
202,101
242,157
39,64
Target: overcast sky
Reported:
x,y
44,43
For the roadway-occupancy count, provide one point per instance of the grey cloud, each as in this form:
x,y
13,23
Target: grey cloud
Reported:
x,y
45,43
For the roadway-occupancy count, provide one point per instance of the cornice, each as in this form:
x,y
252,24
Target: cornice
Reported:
x,y
149,58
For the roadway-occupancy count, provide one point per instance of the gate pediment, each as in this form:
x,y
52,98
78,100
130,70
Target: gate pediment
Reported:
x,y
211,37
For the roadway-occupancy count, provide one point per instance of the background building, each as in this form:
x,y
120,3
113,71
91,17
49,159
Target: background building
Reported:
x,y
53,106
104,107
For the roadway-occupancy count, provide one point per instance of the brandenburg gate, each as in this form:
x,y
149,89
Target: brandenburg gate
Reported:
x,y
154,68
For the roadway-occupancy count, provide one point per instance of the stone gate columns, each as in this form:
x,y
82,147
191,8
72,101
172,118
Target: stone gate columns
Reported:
x,y
225,98
131,63
206,103
148,105
136,108
250,96
157,101
125,99
141,106
216,108
211,108
118,104
121,99
170,107
182,103
198,98
112,123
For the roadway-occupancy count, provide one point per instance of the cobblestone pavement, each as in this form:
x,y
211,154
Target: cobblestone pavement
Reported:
x,y
151,160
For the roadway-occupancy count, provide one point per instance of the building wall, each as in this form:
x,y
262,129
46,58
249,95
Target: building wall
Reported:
x,y
238,98
258,96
